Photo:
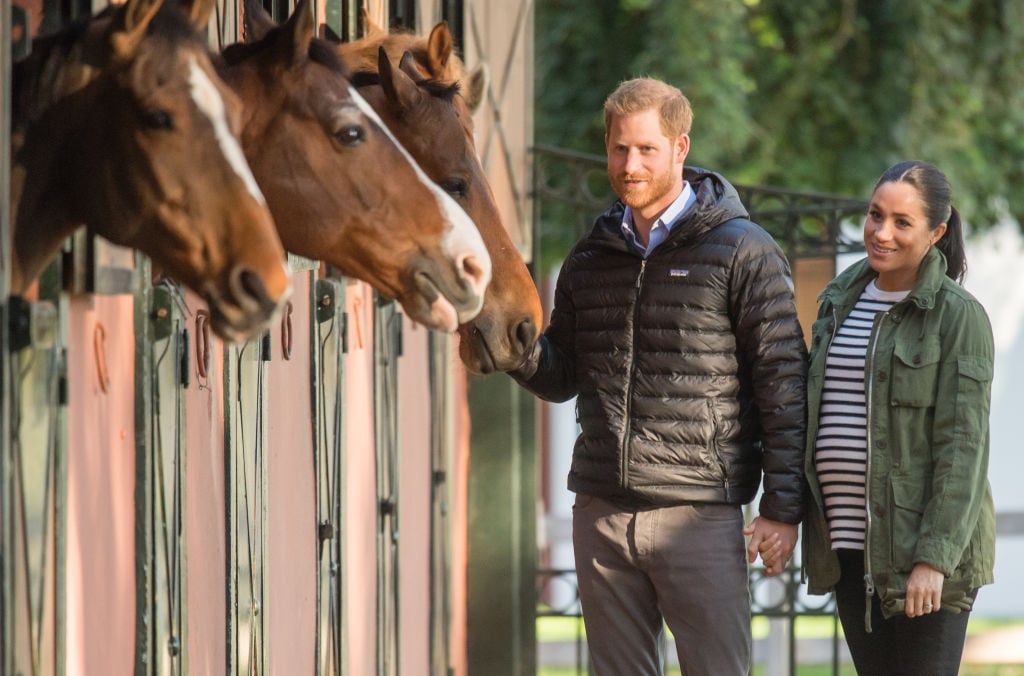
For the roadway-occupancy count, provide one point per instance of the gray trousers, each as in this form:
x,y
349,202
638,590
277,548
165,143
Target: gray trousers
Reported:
x,y
685,565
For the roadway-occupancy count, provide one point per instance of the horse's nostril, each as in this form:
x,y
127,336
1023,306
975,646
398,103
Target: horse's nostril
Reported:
x,y
248,285
473,272
526,333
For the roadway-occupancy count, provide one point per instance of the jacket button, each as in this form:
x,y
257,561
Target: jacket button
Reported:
x,y
880,512
917,359
882,376
817,340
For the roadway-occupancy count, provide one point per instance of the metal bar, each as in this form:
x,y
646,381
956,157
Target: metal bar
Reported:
x,y
145,546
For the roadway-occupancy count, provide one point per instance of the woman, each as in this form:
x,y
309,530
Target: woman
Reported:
x,y
901,524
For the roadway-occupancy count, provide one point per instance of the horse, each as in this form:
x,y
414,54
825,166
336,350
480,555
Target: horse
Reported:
x,y
424,103
340,186
121,124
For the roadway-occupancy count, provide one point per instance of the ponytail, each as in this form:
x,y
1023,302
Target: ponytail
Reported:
x,y
951,244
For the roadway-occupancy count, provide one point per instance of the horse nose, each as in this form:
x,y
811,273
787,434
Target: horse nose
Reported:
x,y
524,335
250,292
474,272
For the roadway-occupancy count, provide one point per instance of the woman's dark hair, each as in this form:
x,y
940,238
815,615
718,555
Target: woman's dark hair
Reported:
x,y
937,196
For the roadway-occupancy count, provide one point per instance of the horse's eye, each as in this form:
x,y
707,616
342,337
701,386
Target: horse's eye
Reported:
x,y
155,118
351,135
455,186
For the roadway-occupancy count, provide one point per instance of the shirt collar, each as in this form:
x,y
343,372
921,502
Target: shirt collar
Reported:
x,y
663,226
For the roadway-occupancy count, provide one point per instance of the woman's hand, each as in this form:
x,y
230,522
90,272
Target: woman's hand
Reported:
x,y
773,541
924,590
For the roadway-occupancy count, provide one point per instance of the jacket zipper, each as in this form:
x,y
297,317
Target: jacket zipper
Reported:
x,y
624,468
713,414
869,579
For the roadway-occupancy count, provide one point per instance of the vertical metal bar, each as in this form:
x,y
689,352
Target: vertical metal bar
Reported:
x,y
6,381
328,347
230,512
317,406
145,548
387,349
440,350
339,456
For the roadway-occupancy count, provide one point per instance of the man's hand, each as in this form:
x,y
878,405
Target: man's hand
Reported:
x,y
773,540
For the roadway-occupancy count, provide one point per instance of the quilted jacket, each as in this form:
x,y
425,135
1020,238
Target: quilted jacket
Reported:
x,y
688,366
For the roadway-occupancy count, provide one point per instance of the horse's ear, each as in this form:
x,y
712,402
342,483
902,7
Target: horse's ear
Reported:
x,y
409,66
371,28
257,22
399,87
130,24
198,11
299,30
439,50
475,87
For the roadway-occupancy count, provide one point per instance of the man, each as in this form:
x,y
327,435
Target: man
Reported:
x,y
675,326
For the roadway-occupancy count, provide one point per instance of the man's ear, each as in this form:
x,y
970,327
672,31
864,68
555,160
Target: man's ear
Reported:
x,y
682,147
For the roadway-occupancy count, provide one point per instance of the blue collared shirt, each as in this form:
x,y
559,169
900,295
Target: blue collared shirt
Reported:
x,y
662,226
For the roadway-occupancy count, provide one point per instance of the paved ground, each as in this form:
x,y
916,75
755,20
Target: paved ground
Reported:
x,y
998,646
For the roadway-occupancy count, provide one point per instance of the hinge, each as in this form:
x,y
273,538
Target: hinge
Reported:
x,y
160,312
326,300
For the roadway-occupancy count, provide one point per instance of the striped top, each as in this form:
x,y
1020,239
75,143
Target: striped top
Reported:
x,y
840,449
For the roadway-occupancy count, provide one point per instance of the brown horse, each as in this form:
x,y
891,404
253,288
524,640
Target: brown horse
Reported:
x,y
341,188
121,124
427,111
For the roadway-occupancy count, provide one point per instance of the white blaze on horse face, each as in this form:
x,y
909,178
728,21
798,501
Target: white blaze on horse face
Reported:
x,y
208,100
462,238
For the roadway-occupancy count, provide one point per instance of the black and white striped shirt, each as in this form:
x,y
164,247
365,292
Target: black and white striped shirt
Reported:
x,y
840,450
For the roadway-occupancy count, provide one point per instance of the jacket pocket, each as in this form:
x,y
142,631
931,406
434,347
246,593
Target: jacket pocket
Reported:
x,y
915,374
908,498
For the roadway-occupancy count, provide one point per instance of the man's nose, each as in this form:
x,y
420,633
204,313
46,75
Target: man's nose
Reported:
x,y
633,161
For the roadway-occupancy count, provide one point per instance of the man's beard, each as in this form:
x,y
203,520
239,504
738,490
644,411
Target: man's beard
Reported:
x,y
658,185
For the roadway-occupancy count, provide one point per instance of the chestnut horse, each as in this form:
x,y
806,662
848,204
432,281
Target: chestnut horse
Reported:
x,y
341,188
424,105
121,124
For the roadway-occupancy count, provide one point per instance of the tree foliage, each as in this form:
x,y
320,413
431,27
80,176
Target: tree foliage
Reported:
x,y
816,95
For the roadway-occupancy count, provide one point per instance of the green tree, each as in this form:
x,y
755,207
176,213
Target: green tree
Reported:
x,y
815,95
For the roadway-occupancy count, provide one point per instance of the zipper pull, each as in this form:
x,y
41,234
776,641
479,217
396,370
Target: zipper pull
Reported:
x,y
869,584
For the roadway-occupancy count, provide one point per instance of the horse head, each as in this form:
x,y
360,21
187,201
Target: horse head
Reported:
x,y
424,103
127,129
340,186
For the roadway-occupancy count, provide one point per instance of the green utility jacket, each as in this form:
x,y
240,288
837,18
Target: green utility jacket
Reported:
x,y
928,383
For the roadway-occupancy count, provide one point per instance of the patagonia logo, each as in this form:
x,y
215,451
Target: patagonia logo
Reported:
x,y
678,272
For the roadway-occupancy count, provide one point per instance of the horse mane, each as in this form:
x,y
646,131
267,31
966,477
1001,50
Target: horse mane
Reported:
x,y
398,43
36,79
320,51
436,88
59,62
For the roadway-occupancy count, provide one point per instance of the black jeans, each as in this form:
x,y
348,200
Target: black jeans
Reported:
x,y
929,645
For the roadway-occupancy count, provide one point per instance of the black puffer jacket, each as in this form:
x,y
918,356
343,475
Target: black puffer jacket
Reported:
x,y
689,366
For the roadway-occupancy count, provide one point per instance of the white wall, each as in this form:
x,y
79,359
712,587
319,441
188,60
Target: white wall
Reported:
x,y
995,264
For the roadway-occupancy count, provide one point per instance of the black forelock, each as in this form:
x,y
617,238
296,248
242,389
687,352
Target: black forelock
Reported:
x,y
442,90
320,51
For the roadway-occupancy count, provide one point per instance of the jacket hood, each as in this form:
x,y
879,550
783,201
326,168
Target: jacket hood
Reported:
x,y
717,201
